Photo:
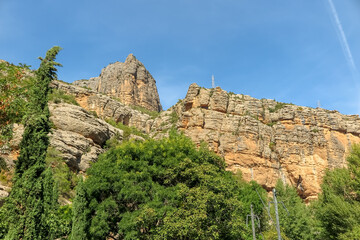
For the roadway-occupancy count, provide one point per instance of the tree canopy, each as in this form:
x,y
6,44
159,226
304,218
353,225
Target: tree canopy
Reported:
x,y
160,189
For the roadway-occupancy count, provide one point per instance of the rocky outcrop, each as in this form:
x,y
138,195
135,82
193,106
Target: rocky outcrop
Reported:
x,y
265,139
107,107
78,135
130,82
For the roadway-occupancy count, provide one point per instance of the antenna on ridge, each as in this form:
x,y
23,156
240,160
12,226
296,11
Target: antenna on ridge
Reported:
x,y
318,104
212,81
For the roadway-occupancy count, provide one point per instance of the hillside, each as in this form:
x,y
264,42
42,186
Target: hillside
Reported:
x,y
264,139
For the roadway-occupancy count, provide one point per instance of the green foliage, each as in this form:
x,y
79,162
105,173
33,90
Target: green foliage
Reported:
x,y
14,84
59,96
270,124
3,165
298,223
152,114
339,206
32,204
315,130
127,129
174,117
65,215
81,214
65,179
6,134
278,106
161,189
94,114
272,146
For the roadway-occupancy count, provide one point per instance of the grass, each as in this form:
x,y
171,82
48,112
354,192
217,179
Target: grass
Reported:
x,y
59,96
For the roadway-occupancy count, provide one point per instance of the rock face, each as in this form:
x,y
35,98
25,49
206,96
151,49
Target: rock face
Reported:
x,y
78,135
107,107
130,82
265,139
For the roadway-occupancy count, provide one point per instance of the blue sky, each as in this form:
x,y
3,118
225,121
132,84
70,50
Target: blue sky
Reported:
x,y
291,51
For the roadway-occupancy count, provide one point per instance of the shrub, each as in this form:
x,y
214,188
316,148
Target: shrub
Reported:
x,y
57,96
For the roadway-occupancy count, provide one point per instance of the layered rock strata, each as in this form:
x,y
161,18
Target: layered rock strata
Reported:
x,y
78,135
130,82
107,107
265,139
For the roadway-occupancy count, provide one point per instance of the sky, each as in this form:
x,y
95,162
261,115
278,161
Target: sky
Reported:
x,y
302,52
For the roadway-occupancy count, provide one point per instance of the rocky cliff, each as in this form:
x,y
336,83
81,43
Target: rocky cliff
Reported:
x,y
265,139
268,140
130,82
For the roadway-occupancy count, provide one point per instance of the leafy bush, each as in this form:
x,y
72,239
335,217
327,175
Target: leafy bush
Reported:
x,y
15,81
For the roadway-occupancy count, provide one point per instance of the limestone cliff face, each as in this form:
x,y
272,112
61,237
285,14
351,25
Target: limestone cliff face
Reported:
x,y
107,107
268,140
264,139
77,134
130,82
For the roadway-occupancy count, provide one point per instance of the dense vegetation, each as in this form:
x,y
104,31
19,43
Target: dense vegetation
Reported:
x,y
165,189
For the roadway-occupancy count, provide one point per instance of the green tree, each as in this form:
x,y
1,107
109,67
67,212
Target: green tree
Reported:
x,y
339,206
32,204
80,228
160,189
298,222
14,82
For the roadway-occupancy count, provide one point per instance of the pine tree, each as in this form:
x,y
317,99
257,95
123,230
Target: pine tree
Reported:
x,y
80,214
32,203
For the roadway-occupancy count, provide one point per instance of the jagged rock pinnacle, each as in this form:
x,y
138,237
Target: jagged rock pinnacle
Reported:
x,y
130,82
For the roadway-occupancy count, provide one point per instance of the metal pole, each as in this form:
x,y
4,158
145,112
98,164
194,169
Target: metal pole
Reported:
x,y
277,215
253,222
